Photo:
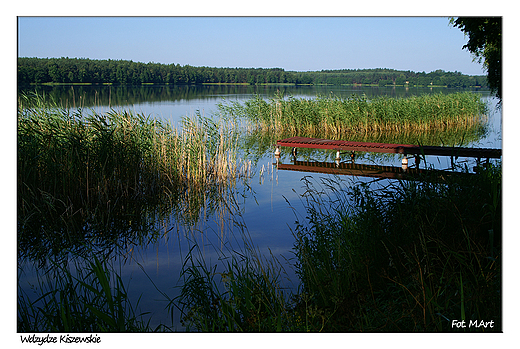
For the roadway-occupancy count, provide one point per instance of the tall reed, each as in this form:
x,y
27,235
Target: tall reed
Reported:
x,y
79,172
246,296
333,115
408,256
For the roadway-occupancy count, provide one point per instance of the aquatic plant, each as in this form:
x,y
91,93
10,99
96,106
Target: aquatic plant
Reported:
x,y
244,296
81,173
335,116
407,256
84,294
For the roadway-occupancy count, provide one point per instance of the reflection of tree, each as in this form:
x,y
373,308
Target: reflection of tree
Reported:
x,y
127,95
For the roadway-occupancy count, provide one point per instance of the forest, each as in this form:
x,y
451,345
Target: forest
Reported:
x,y
89,71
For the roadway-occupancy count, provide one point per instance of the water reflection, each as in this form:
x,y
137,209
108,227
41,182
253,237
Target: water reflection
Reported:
x,y
362,170
155,233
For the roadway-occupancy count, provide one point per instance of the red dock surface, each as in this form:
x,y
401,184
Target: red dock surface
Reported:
x,y
406,149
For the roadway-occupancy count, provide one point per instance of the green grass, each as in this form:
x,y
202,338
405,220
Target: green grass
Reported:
x,y
245,296
336,116
81,173
403,257
82,295
410,256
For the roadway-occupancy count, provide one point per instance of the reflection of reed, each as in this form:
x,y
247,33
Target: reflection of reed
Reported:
x,y
257,144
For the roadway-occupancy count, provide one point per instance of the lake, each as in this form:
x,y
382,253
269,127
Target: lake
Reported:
x,y
264,207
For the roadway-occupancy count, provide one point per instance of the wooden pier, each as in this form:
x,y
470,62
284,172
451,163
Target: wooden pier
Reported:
x,y
405,149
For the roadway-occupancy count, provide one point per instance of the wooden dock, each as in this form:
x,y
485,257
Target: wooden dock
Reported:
x,y
405,149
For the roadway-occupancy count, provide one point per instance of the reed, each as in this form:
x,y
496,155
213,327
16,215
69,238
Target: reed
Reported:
x,y
84,294
81,172
333,115
240,291
244,296
409,256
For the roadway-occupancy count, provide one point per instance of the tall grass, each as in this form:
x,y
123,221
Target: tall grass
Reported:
x,y
85,295
245,295
404,257
82,173
334,116
410,256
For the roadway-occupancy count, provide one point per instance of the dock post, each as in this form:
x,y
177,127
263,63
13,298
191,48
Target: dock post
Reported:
x,y
338,155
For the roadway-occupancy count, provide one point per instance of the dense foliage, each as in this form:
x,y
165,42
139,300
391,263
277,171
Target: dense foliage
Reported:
x,y
80,70
407,256
485,42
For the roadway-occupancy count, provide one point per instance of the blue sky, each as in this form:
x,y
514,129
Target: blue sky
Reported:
x,y
291,43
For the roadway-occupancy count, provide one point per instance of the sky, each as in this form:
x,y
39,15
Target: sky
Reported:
x,y
292,43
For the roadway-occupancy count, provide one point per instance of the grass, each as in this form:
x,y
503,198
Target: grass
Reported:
x,y
81,173
336,116
404,257
82,295
246,296
411,256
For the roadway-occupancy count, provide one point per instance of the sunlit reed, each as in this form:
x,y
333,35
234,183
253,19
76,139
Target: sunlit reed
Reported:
x,y
334,116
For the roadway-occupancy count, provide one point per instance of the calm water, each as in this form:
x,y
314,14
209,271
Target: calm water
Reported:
x,y
267,204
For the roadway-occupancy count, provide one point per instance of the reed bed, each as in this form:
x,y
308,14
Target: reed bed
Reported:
x,y
242,295
119,148
408,256
80,173
333,115
400,257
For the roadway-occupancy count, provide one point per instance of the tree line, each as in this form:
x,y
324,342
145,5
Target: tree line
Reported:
x,y
82,70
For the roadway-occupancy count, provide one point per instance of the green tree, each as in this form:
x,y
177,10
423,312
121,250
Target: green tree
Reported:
x,y
485,43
